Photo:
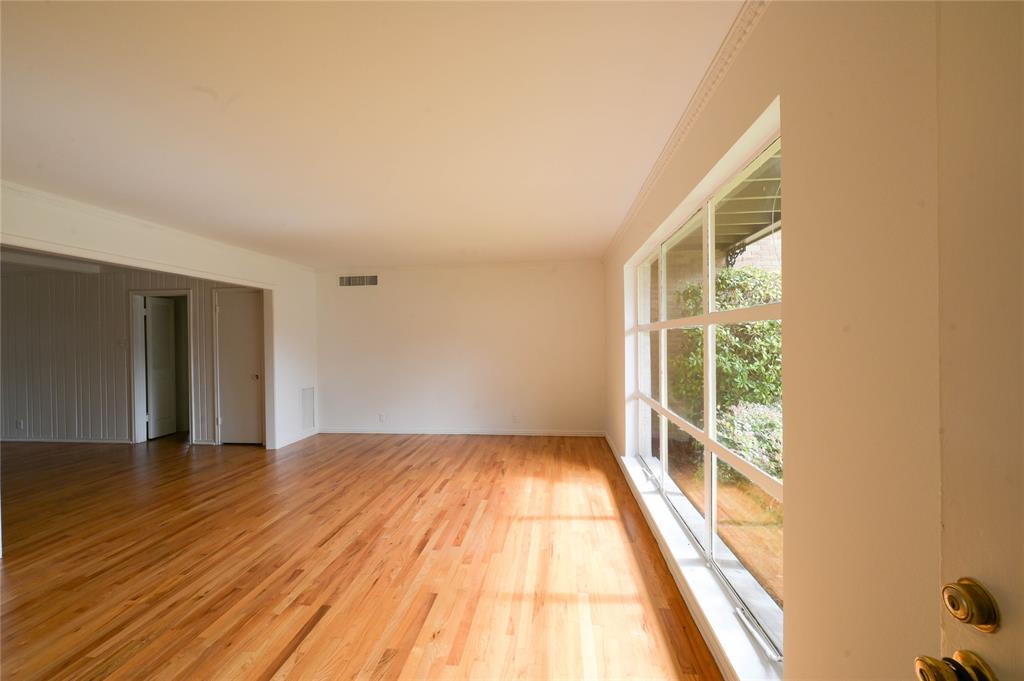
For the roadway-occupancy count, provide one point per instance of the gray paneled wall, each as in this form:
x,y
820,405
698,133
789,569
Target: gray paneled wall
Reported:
x,y
66,370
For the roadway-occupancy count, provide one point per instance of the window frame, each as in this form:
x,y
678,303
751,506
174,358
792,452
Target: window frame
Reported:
x,y
709,320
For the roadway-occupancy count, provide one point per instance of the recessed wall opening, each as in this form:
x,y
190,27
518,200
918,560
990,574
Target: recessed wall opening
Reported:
x,y
100,352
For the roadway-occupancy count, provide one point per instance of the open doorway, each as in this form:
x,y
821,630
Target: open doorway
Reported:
x,y
161,365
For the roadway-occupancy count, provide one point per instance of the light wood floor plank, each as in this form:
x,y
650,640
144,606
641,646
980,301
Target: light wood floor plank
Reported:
x,y
341,557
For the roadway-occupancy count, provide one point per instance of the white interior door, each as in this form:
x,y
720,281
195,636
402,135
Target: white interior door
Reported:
x,y
240,365
161,396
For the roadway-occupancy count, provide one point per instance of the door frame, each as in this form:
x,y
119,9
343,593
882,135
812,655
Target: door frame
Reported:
x,y
135,323
216,360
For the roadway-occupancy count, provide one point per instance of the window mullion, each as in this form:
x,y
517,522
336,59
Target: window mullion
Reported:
x,y
710,488
639,363
739,315
662,285
770,485
743,315
662,360
680,323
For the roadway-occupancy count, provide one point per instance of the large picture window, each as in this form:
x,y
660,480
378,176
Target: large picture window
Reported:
x,y
709,350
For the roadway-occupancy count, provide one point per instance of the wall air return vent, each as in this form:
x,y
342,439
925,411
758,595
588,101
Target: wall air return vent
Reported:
x,y
365,280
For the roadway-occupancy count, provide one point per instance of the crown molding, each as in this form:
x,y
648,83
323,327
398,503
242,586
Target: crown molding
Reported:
x,y
742,26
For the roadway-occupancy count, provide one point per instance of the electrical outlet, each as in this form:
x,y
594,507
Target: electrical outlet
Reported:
x,y
20,424
381,418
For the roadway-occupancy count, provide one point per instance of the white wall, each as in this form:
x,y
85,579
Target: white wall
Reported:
x,y
44,222
857,86
489,348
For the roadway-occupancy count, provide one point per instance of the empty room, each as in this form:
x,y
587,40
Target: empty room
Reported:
x,y
463,340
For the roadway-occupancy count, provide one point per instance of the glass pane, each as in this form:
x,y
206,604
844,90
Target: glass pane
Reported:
x,y
748,235
748,545
684,273
650,361
649,444
749,392
685,484
685,359
647,286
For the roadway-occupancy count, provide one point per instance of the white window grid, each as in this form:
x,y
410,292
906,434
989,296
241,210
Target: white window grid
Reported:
x,y
707,321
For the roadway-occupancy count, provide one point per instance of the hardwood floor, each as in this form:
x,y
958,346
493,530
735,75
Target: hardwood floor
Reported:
x,y
344,556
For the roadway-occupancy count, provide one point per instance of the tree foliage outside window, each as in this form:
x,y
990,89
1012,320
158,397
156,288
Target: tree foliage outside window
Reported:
x,y
749,368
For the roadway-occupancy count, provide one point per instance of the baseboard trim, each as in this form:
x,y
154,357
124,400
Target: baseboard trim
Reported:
x,y
458,431
611,446
287,442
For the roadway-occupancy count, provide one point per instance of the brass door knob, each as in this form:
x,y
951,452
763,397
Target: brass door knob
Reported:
x,y
971,603
963,666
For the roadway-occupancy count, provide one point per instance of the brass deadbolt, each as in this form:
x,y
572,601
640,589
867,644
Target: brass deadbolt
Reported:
x,y
971,603
963,666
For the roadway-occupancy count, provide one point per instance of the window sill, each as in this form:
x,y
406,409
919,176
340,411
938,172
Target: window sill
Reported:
x,y
739,655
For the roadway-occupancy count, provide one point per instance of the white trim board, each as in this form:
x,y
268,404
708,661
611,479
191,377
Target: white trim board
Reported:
x,y
289,440
384,430
137,363
739,657
124,221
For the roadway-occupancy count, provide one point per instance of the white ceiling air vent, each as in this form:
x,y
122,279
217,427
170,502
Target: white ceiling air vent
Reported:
x,y
364,280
